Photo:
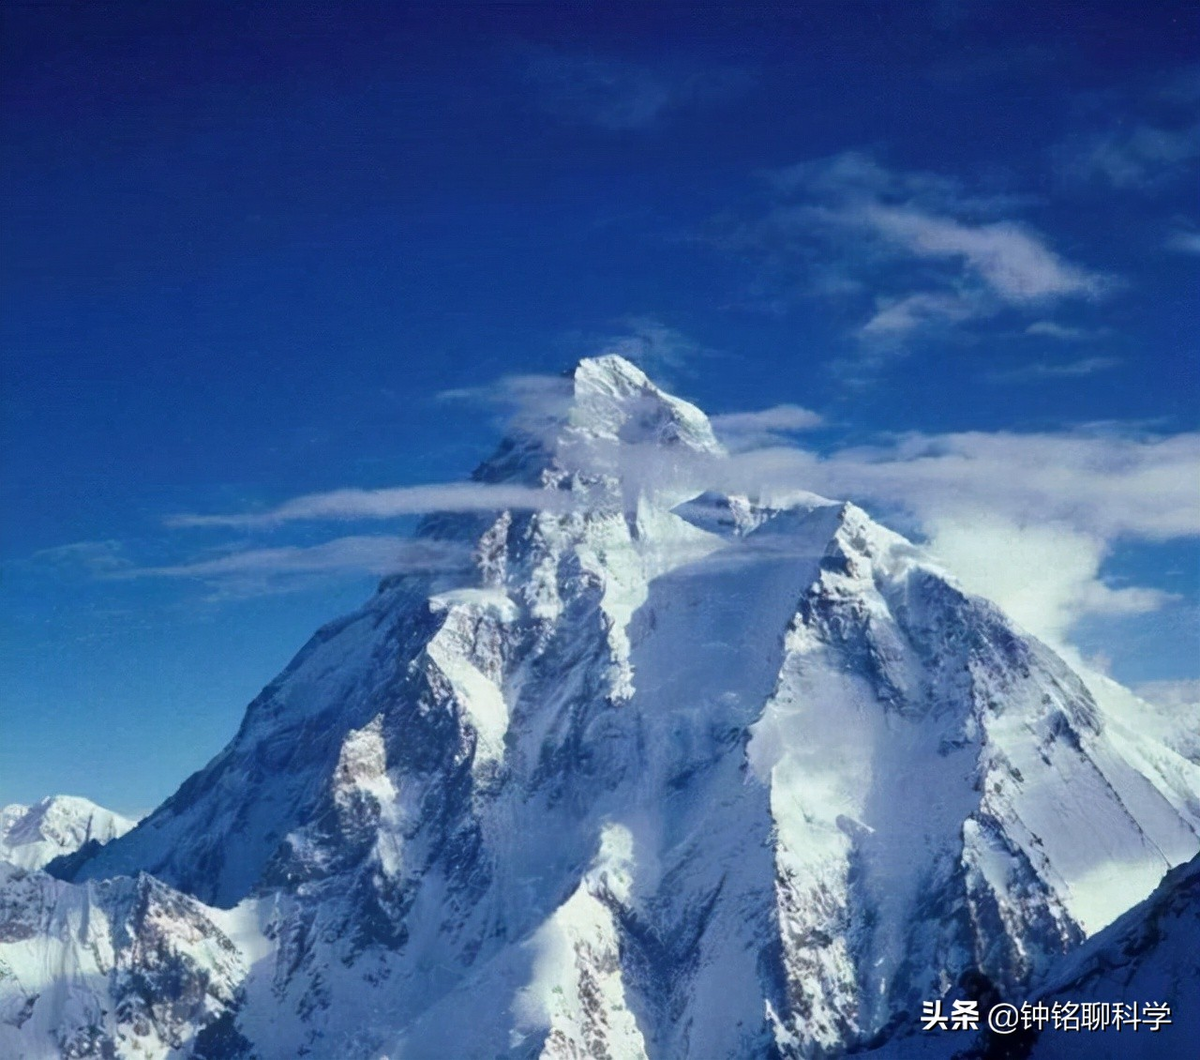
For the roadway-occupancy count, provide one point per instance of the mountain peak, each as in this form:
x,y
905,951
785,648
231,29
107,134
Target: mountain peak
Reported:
x,y
611,366
32,836
615,399
604,418
676,771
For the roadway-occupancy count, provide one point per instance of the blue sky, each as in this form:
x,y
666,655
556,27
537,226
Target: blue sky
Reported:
x,y
258,252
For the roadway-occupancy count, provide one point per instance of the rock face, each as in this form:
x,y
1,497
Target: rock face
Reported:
x,y
33,836
125,967
1131,990
671,773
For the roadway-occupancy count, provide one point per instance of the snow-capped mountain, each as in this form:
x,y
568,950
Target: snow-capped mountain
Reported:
x,y
671,772
31,836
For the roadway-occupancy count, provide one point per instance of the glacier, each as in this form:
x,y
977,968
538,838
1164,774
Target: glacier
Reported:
x,y
674,770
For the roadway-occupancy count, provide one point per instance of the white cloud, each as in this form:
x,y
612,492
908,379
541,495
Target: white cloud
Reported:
x,y
1184,242
1031,373
651,344
93,556
1025,519
1177,720
514,390
858,176
896,317
532,402
371,554
1144,137
927,255
1012,260
1103,483
778,418
1044,576
351,504
1143,157
1049,329
529,403
1096,481
1028,519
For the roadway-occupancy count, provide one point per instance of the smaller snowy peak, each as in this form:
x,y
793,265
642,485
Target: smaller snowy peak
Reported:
x,y
615,399
860,535
32,836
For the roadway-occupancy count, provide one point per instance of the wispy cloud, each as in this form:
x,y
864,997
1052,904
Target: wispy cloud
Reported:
x,y
372,554
910,253
1046,576
774,419
1012,260
1027,519
1141,158
1184,241
1141,137
1178,722
528,403
259,571
93,556
1108,480
344,505
514,390
536,404
1172,694
1049,329
1102,482
896,317
618,94
859,176
1041,370
531,404
651,344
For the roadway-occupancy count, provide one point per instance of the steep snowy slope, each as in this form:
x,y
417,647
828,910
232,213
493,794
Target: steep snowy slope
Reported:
x,y
31,836
1131,990
119,968
214,836
1151,955
670,773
